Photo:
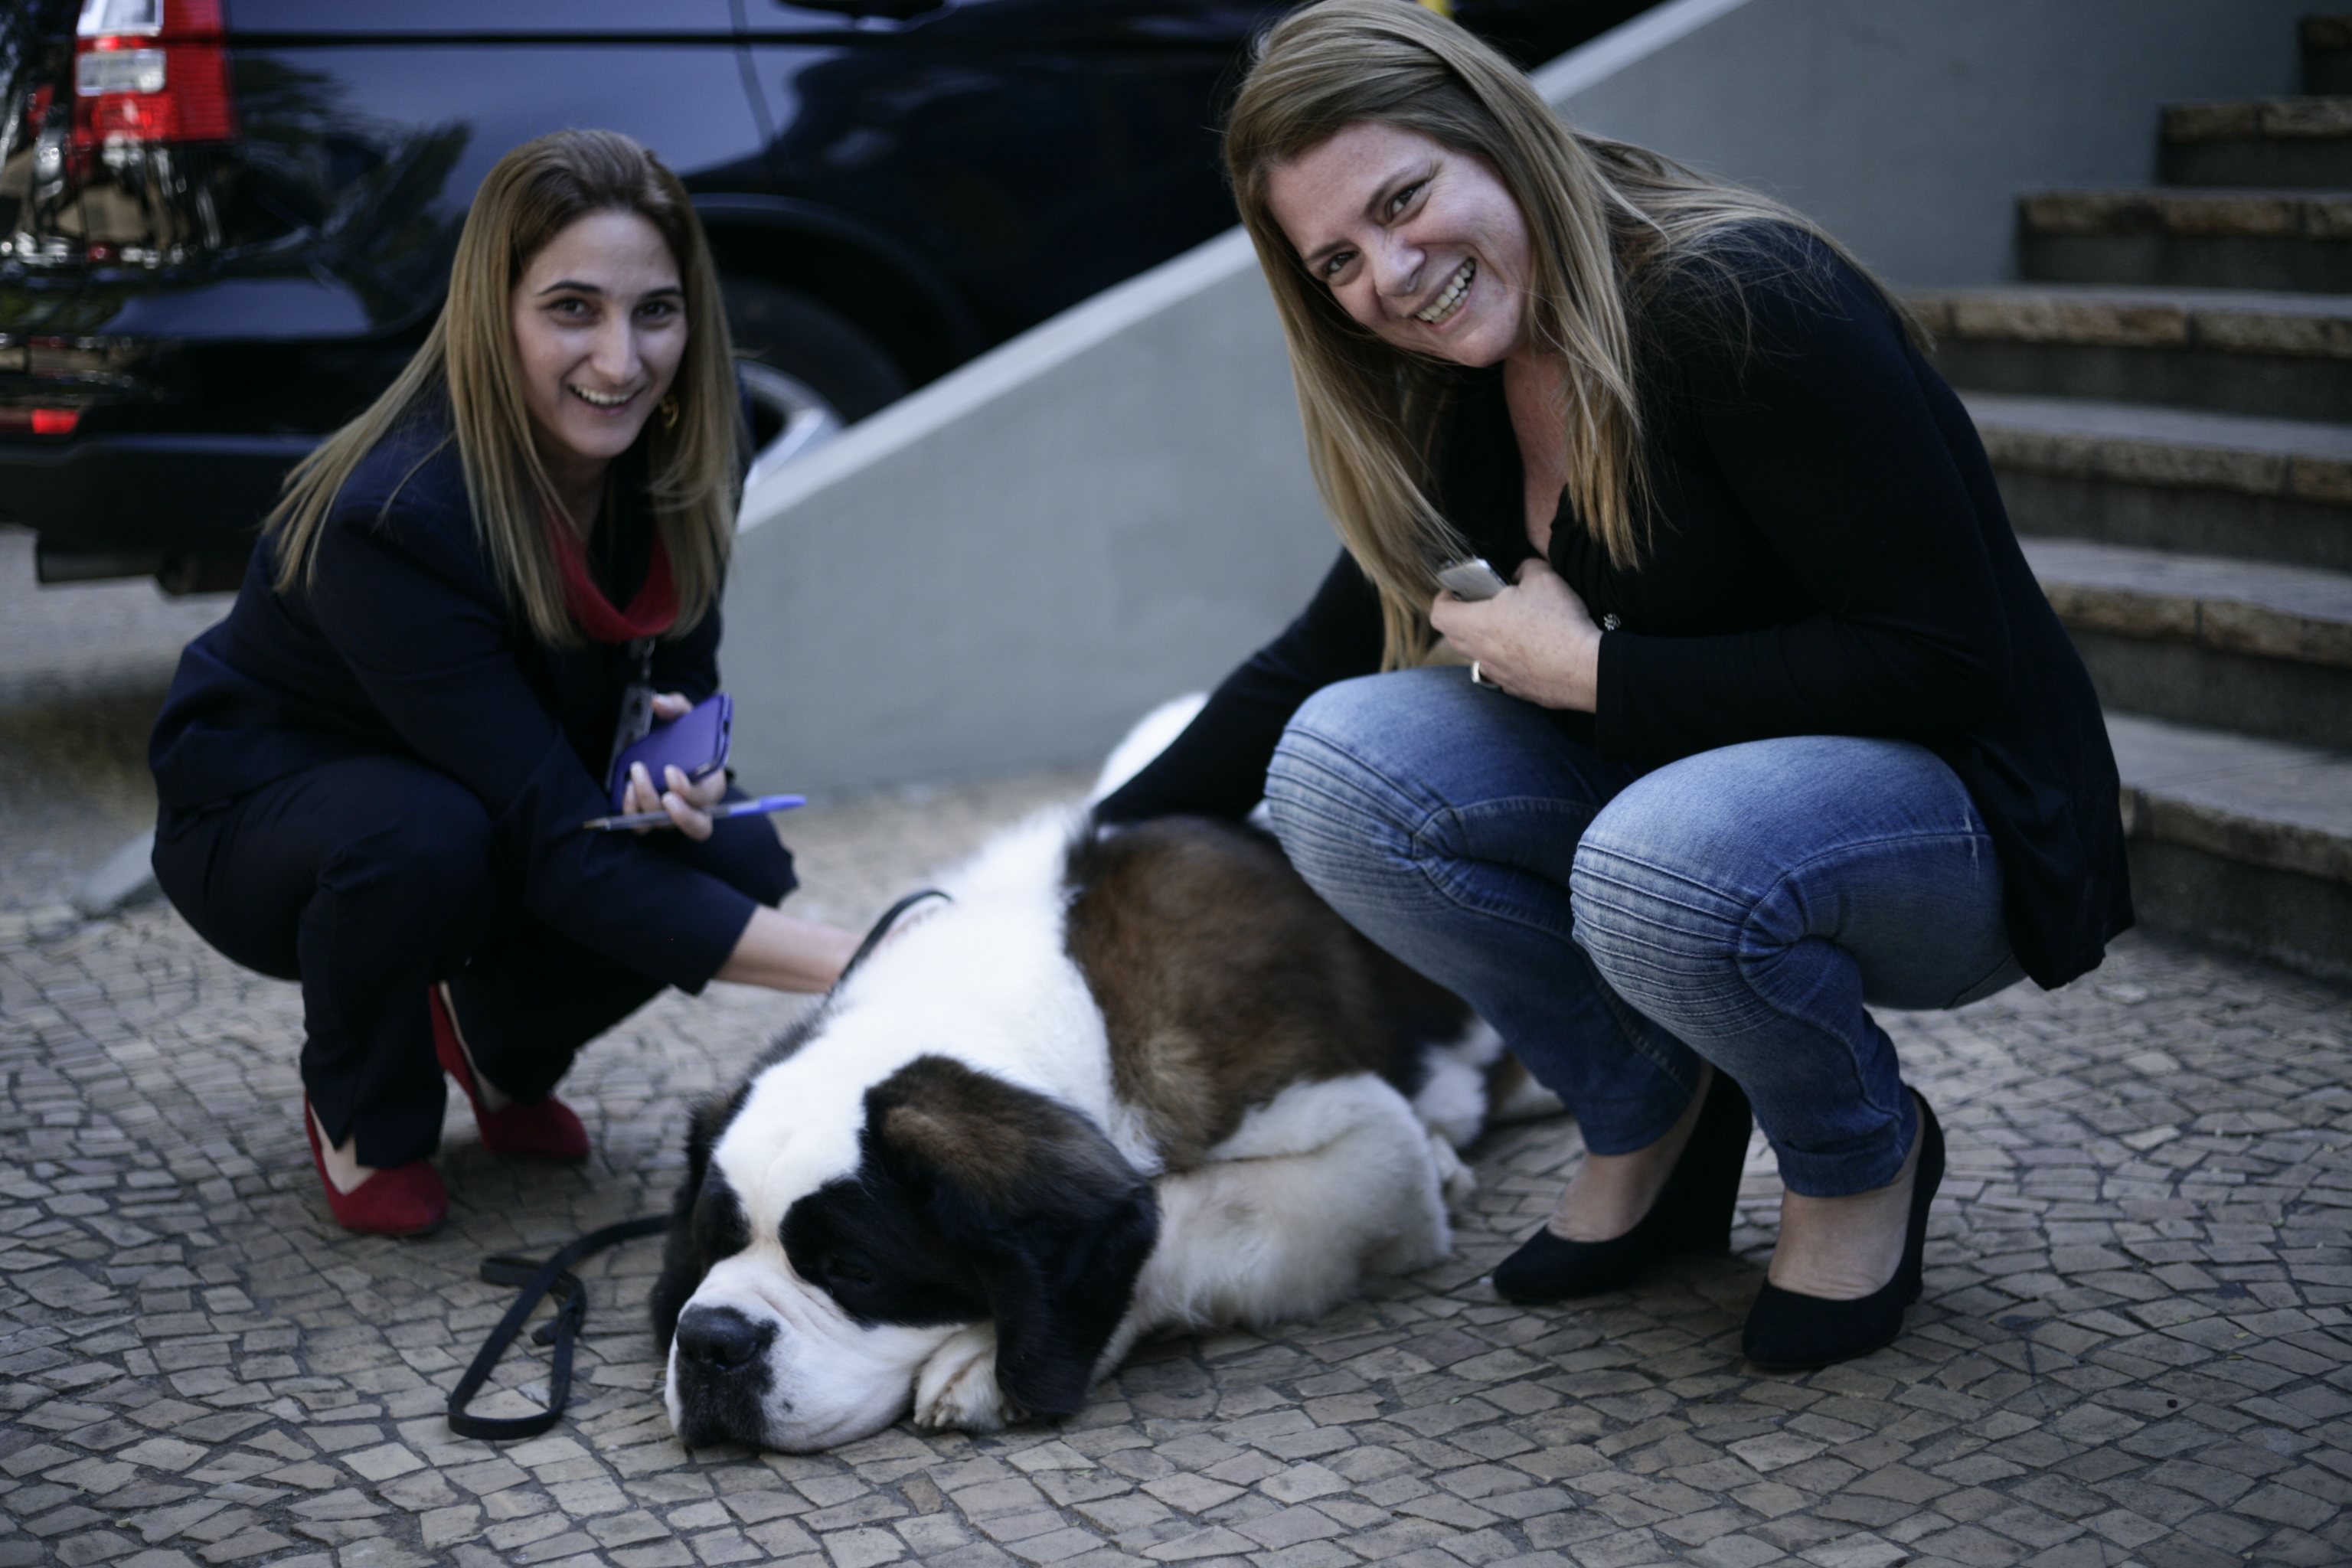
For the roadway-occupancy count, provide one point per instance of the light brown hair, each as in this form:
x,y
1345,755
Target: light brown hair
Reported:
x,y
1607,222
530,196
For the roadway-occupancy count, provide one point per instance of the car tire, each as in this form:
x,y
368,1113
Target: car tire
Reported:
x,y
789,331
810,373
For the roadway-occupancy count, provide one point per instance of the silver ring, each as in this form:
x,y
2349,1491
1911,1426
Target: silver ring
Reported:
x,y
1478,678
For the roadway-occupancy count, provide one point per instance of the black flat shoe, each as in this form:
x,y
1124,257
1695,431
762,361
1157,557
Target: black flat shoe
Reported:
x,y
1789,1331
1693,1213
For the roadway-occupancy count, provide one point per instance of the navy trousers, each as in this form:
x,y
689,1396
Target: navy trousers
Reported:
x,y
369,880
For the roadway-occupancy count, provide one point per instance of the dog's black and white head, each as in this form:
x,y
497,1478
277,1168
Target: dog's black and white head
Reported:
x,y
890,1201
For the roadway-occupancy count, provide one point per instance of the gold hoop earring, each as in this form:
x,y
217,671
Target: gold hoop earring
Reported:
x,y
669,407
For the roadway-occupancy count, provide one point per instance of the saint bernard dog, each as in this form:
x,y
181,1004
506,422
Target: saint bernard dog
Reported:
x,y
1116,1083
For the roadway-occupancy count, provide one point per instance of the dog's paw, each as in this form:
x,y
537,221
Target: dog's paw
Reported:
x,y
957,1387
1457,1179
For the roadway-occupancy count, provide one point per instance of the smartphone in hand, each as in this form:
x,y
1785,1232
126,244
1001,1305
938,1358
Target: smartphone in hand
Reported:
x,y
1471,579
695,743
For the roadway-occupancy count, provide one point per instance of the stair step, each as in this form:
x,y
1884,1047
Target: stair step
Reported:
x,y
2311,459
2215,601
2294,142
2240,841
2328,54
2282,354
2292,239
2212,484
2260,649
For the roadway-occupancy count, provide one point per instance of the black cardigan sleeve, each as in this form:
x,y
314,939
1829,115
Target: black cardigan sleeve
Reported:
x,y
1822,425
1217,766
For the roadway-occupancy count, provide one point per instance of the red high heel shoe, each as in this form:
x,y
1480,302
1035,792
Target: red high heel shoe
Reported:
x,y
405,1200
539,1129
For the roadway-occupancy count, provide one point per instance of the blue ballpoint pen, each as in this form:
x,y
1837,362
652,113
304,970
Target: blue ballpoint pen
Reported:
x,y
766,803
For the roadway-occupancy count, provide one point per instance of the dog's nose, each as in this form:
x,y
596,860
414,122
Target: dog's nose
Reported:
x,y
720,1339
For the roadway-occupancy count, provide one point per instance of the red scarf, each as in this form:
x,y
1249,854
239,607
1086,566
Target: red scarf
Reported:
x,y
649,615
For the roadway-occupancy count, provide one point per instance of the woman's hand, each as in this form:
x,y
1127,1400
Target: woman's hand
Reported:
x,y
1535,640
688,802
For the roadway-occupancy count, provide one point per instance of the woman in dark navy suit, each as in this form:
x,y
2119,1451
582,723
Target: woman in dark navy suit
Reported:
x,y
373,774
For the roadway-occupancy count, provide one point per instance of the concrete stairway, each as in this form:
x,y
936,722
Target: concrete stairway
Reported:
x,y
2168,401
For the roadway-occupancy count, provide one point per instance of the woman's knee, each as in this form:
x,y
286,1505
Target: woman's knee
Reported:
x,y
1661,940
1711,871
743,852
1345,792
1671,878
1420,772
378,847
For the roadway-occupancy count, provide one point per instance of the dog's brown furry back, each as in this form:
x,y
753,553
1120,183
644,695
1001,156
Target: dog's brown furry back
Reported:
x,y
1222,979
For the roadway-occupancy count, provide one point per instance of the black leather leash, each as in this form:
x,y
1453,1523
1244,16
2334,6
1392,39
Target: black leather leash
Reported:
x,y
554,1277
881,929
572,1310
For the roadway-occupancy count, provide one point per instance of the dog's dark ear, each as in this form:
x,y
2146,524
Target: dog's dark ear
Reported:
x,y
1054,1220
697,1231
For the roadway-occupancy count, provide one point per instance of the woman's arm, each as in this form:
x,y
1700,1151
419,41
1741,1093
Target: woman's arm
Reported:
x,y
787,953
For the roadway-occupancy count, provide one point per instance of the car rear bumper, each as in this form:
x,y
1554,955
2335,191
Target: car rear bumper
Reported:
x,y
132,504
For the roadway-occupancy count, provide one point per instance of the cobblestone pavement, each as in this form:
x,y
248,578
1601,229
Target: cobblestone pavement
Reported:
x,y
2132,1347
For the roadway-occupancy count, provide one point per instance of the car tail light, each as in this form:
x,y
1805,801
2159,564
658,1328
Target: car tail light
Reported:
x,y
152,72
41,421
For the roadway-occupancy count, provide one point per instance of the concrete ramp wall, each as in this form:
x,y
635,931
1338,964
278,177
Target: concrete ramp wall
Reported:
x,y
1002,571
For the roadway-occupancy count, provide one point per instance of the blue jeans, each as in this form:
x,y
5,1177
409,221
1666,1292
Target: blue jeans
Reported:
x,y
1618,928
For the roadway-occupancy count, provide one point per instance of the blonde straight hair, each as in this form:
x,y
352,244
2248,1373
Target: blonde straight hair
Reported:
x,y
530,196
1607,222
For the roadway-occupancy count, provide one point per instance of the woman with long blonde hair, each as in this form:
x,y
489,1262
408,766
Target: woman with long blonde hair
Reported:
x,y
1765,719
373,775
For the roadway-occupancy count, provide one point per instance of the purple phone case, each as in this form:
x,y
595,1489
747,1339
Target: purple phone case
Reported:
x,y
695,741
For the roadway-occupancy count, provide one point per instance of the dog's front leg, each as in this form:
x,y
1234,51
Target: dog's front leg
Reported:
x,y
1458,1180
957,1386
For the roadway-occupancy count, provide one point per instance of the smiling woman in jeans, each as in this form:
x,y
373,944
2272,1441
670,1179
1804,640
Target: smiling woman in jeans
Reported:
x,y
1767,720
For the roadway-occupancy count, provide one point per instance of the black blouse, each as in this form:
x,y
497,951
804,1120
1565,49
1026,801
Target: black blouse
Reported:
x,y
1827,555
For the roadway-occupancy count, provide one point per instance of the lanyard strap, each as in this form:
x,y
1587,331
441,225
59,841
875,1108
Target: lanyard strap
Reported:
x,y
637,716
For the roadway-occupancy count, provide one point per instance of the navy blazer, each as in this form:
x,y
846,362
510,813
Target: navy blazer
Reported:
x,y
402,644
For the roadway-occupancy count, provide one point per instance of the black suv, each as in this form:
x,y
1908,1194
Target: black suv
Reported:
x,y
225,224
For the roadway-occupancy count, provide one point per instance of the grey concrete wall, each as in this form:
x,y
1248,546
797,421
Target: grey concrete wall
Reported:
x,y
1007,569
1002,571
